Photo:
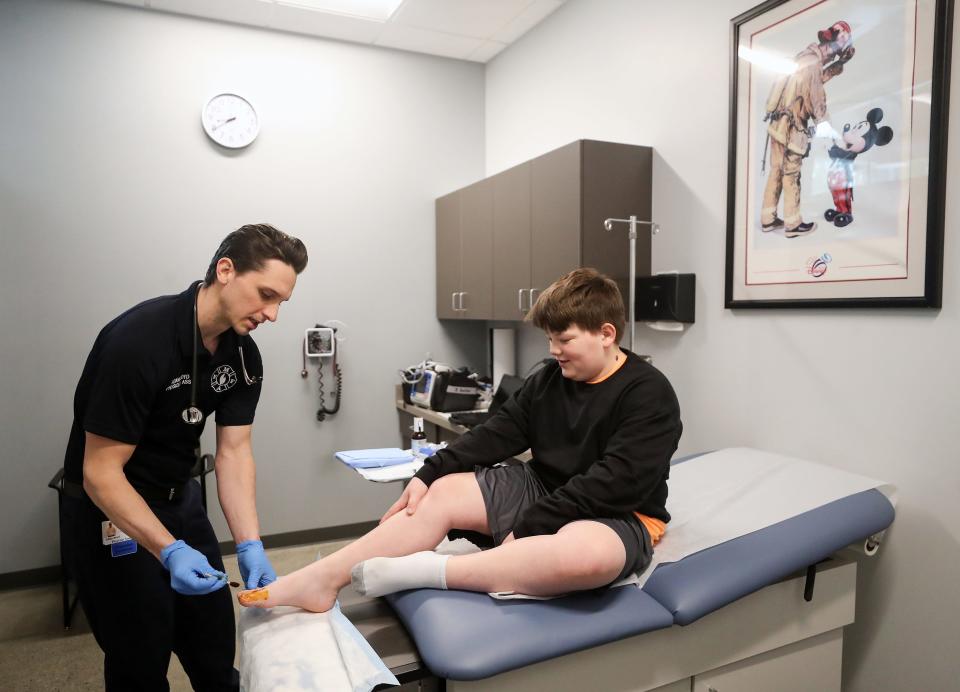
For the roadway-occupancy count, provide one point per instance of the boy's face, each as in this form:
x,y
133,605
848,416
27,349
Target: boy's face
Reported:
x,y
581,354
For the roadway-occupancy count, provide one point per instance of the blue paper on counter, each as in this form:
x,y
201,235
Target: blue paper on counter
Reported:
x,y
372,458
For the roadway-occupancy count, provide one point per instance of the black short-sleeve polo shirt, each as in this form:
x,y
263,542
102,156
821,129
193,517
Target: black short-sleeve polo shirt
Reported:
x,y
136,384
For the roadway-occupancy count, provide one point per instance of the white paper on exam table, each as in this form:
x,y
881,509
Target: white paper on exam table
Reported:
x,y
283,649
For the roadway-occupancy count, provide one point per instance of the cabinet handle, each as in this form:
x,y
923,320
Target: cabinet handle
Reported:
x,y
533,291
462,294
520,299
453,301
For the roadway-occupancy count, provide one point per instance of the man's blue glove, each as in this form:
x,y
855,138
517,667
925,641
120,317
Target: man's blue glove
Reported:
x,y
190,571
255,568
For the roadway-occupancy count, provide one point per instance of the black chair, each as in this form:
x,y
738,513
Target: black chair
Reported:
x,y
69,604
202,467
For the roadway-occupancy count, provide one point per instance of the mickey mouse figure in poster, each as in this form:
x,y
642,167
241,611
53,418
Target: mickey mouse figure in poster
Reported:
x,y
855,140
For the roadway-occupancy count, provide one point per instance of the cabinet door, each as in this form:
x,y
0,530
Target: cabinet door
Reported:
x,y
448,254
810,664
511,242
555,215
616,184
476,250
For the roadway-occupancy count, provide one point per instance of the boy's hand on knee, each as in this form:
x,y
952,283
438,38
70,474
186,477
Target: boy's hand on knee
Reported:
x,y
409,500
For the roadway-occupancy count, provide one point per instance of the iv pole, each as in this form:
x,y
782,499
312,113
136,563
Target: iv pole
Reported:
x,y
654,229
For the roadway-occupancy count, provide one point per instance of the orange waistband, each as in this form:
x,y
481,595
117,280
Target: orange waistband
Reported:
x,y
654,527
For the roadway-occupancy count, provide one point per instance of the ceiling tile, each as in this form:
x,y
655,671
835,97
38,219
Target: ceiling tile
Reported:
x,y
475,30
535,13
336,26
253,12
486,51
477,18
423,41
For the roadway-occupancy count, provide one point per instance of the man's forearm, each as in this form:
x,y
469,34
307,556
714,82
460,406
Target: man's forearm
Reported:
x,y
236,488
112,493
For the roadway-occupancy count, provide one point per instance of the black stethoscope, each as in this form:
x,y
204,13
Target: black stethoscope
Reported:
x,y
193,415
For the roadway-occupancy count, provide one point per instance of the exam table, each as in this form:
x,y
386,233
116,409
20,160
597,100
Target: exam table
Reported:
x,y
763,611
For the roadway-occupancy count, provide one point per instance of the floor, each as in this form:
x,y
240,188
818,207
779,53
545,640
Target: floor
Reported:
x,y
36,653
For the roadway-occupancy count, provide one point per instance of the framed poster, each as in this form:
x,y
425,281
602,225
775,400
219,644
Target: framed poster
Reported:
x,y
838,133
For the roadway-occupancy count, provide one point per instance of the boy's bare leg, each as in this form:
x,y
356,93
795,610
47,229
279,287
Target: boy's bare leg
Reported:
x,y
452,501
582,555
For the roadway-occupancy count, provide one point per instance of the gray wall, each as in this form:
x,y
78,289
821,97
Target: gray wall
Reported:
x,y
110,193
873,392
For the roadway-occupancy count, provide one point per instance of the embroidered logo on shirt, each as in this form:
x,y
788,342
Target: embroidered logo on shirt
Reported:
x,y
223,378
179,380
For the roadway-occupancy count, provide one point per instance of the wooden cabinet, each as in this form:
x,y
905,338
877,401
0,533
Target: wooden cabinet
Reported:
x,y
465,252
516,232
448,255
511,241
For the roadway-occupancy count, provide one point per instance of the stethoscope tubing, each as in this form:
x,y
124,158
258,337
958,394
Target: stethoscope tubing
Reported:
x,y
192,415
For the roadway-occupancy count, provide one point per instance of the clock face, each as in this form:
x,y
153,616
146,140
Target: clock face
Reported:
x,y
230,121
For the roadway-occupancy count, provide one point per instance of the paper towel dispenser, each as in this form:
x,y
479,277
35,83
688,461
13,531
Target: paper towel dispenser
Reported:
x,y
666,298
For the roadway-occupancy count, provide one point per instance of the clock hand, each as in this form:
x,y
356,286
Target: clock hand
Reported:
x,y
224,122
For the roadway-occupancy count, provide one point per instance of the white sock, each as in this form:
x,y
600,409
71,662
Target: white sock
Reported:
x,y
382,575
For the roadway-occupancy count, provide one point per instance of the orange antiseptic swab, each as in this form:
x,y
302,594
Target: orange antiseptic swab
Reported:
x,y
254,596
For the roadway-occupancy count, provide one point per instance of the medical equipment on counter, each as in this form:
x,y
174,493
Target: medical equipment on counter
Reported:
x,y
440,387
320,342
509,385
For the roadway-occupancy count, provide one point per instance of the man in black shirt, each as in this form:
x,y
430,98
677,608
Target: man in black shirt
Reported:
x,y
148,565
602,425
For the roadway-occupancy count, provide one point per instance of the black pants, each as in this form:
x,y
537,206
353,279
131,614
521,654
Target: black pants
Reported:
x,y
137,618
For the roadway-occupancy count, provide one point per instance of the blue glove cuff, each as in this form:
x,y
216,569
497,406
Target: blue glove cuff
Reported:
x,y
169,550
244,546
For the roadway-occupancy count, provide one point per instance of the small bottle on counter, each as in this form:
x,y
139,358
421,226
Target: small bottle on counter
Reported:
x,y
418,439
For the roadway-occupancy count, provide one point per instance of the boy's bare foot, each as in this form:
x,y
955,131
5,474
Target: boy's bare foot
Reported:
x,y
306,588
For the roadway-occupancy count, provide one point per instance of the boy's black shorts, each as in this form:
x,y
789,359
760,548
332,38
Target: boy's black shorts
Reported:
x,y
508,490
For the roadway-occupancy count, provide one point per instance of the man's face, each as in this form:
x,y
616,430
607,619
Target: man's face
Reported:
x,y
254,297
579,352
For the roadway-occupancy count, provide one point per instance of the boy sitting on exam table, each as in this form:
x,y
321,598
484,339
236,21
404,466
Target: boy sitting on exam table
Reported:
x,y
584,513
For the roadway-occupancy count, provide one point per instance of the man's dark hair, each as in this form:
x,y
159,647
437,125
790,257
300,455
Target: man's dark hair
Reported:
x,y
250,246
584,297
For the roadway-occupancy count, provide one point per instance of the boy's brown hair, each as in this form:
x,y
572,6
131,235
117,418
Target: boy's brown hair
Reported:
x,y
584,297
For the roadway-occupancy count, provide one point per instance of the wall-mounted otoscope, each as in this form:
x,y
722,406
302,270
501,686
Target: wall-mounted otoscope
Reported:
x,y
320,342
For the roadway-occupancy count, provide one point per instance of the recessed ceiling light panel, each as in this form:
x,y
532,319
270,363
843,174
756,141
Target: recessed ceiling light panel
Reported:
x,y
378,10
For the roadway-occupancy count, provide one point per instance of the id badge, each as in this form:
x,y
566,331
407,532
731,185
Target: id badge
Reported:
x,y
120,543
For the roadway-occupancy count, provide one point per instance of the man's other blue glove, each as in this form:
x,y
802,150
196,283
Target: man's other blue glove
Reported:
x,y
255,568
190,571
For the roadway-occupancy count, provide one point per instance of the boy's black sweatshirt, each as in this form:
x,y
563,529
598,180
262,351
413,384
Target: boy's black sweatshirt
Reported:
x,y
602,450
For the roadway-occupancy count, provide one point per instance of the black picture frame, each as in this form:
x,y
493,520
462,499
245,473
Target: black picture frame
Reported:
x,y
766,263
